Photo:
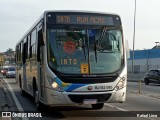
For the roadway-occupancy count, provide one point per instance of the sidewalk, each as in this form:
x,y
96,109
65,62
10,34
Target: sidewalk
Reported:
x,y
4,107
3,99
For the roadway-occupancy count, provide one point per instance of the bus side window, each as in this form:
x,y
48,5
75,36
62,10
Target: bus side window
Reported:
x,y
21,46
17,54
30,52
33,44
40,43
24,53
28,47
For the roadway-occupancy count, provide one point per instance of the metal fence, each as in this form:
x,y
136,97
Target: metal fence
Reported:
x,y
142,69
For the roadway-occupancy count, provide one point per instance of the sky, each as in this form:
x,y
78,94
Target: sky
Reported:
x,y
17,16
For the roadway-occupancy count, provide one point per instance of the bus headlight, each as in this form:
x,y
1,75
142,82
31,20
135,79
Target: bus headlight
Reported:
x,y
54,85
120,84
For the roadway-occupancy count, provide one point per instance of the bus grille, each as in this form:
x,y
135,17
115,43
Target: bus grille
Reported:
x,y
90,80
80,98
86,79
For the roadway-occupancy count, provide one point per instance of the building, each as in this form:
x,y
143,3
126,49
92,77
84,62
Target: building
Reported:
x,y
7,58
144,60
1,59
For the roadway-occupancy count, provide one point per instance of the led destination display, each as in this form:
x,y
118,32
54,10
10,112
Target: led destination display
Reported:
x,y
83,19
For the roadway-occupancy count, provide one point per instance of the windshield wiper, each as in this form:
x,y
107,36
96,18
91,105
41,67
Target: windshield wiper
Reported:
x,y
95,49
83,46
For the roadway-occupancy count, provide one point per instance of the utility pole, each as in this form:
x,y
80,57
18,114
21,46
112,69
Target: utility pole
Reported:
x,y
134,38
147,58
156,44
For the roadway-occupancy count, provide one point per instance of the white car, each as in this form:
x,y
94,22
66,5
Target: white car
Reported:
x,y
11,72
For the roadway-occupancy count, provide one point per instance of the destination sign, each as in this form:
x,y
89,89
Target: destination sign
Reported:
x,y
84,19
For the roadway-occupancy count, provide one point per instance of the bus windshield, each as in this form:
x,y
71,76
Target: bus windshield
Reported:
x,y
85,50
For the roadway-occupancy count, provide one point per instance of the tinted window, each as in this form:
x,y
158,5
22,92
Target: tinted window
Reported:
x,y
5,68
151,72
33,44
11,69
29,41
156,72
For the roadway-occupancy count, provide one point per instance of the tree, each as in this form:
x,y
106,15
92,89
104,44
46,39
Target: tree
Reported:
x,y
9,55
9,51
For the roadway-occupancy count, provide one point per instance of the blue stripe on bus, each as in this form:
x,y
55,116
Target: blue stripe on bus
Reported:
x,y
74,86
58,81
68,87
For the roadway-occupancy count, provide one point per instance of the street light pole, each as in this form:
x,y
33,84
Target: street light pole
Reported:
x,y
147,58
156,44
134,38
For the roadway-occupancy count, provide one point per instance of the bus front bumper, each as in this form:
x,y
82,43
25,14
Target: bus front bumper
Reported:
x,y
68,98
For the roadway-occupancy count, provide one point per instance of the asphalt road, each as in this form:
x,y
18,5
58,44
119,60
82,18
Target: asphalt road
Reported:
x,y
151,90
136,104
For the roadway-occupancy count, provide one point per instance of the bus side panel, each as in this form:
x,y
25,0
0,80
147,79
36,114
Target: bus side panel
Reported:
x,y
32,75
19,74
28,76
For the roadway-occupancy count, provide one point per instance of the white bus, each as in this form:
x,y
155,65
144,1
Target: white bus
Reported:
x,y
73,57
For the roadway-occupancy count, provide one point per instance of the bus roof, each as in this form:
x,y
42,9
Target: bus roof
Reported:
x,y
65,11
79,11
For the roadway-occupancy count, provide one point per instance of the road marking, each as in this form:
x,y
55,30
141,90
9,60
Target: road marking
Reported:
x,y
15,100
146,95
121,109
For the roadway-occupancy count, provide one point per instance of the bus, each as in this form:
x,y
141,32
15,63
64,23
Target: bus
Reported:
x,y
73,57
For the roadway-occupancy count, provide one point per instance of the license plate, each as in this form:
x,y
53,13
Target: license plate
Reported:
x,y
90,101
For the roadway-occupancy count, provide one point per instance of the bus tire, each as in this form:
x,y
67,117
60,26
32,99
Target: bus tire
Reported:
x,y
97,106
39,105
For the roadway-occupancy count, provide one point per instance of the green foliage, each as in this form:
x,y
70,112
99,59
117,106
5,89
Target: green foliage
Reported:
x,y
9,51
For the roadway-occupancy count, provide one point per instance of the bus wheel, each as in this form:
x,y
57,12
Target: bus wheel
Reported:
x,y
39,105
97,106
